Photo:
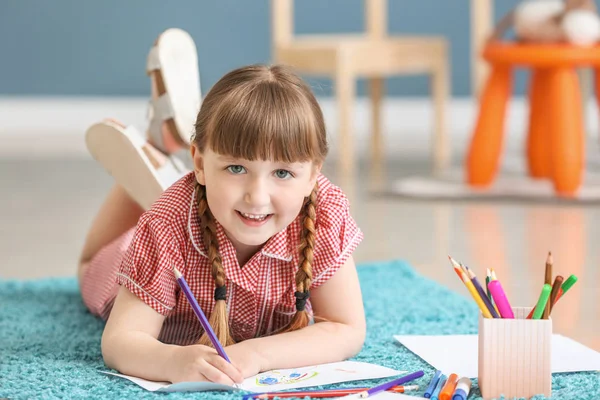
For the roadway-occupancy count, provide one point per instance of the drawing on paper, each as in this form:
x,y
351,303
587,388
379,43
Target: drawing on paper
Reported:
x,y
283,378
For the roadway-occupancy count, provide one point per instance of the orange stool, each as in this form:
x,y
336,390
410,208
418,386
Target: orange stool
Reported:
x,y
555,142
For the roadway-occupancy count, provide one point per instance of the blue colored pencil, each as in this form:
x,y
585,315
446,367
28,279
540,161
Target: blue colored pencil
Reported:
x,y
387,385
198,311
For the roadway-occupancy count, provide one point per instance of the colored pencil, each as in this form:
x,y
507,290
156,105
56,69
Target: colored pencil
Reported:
x,y
548,281
488,278
387,385
482,294
471,288
555,289
198,311
563,289
494,278
327,393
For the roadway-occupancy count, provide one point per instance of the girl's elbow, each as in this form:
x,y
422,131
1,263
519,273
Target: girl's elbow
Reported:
x,y
107,347
361,336
355,339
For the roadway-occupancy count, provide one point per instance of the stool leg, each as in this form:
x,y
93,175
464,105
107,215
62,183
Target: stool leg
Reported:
x,y
538,138
597,90
486,143
566,131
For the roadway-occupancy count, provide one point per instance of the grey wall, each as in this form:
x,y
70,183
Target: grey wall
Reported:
x,y
78,47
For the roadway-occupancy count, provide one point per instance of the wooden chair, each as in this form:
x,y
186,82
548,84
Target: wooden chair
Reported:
x,y
374,55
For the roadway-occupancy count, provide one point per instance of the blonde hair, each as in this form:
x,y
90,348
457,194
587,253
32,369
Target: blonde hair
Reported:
x,y
261,113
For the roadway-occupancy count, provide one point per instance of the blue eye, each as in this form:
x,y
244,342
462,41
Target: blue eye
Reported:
x,y
283,174
236,169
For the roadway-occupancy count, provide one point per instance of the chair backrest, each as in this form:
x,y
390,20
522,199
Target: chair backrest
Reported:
x,y
282,20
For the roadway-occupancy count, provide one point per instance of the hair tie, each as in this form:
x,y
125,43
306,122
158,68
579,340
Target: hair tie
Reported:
x,y
220,292
301,298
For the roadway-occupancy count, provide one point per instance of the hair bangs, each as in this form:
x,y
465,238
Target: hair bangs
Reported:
x,y
267,122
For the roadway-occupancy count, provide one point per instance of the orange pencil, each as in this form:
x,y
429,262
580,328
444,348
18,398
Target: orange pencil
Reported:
x,y
471,288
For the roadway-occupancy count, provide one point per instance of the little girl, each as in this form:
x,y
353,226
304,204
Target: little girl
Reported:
x,y
255,229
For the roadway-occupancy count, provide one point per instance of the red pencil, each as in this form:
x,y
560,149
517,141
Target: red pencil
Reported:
x,y
322,394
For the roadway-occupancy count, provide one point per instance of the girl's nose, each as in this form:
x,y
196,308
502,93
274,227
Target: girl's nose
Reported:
x,y
257,193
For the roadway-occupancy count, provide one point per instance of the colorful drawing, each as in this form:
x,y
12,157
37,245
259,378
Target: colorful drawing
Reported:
x,y
284,378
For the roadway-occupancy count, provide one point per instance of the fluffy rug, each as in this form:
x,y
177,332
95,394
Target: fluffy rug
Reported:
x,y
50,344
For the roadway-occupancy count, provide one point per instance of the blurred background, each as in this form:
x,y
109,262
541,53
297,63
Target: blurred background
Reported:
x,y
66,64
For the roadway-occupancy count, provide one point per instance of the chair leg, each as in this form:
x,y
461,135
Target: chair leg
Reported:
x,y
566,131
486,143
440,89
538,140
345,94
377,151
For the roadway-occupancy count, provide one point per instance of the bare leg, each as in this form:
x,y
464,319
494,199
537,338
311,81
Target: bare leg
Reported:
x,y
118,214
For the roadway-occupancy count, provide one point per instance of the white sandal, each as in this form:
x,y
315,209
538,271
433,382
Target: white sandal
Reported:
x,y
132,161
173,63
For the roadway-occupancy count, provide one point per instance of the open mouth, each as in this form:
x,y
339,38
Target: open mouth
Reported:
x,y
254,217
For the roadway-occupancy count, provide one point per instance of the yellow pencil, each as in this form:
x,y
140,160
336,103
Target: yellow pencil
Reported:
x,y
476,297
471,288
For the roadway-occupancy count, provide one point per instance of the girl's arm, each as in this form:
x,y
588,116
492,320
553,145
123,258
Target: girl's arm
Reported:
x,y
341,336
130,345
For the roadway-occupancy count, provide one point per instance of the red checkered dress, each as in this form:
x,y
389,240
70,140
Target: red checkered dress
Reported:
x,y
260,295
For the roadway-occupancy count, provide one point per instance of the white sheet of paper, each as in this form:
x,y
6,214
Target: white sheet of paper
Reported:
x,y
458,353
276,380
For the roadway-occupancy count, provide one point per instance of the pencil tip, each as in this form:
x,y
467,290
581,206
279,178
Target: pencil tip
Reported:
x,y
549,259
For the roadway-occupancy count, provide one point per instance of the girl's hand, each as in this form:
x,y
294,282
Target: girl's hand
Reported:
x,y
201,363
244,357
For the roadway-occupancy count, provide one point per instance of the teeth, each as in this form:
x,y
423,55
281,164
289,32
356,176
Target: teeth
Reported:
x,y
257,217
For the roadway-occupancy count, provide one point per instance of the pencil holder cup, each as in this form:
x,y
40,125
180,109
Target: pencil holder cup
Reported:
x,y
515,356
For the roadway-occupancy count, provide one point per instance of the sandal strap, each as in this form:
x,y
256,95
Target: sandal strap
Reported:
x,y
135,136
160,110
153,61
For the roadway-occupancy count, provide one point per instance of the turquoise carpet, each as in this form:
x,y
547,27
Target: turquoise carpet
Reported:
x,y
50,344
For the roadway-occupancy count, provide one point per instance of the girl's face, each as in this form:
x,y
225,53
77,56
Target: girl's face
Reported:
x,y
253,200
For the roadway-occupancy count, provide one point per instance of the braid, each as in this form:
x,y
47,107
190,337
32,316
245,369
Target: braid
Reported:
x,y
304,273
218,318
